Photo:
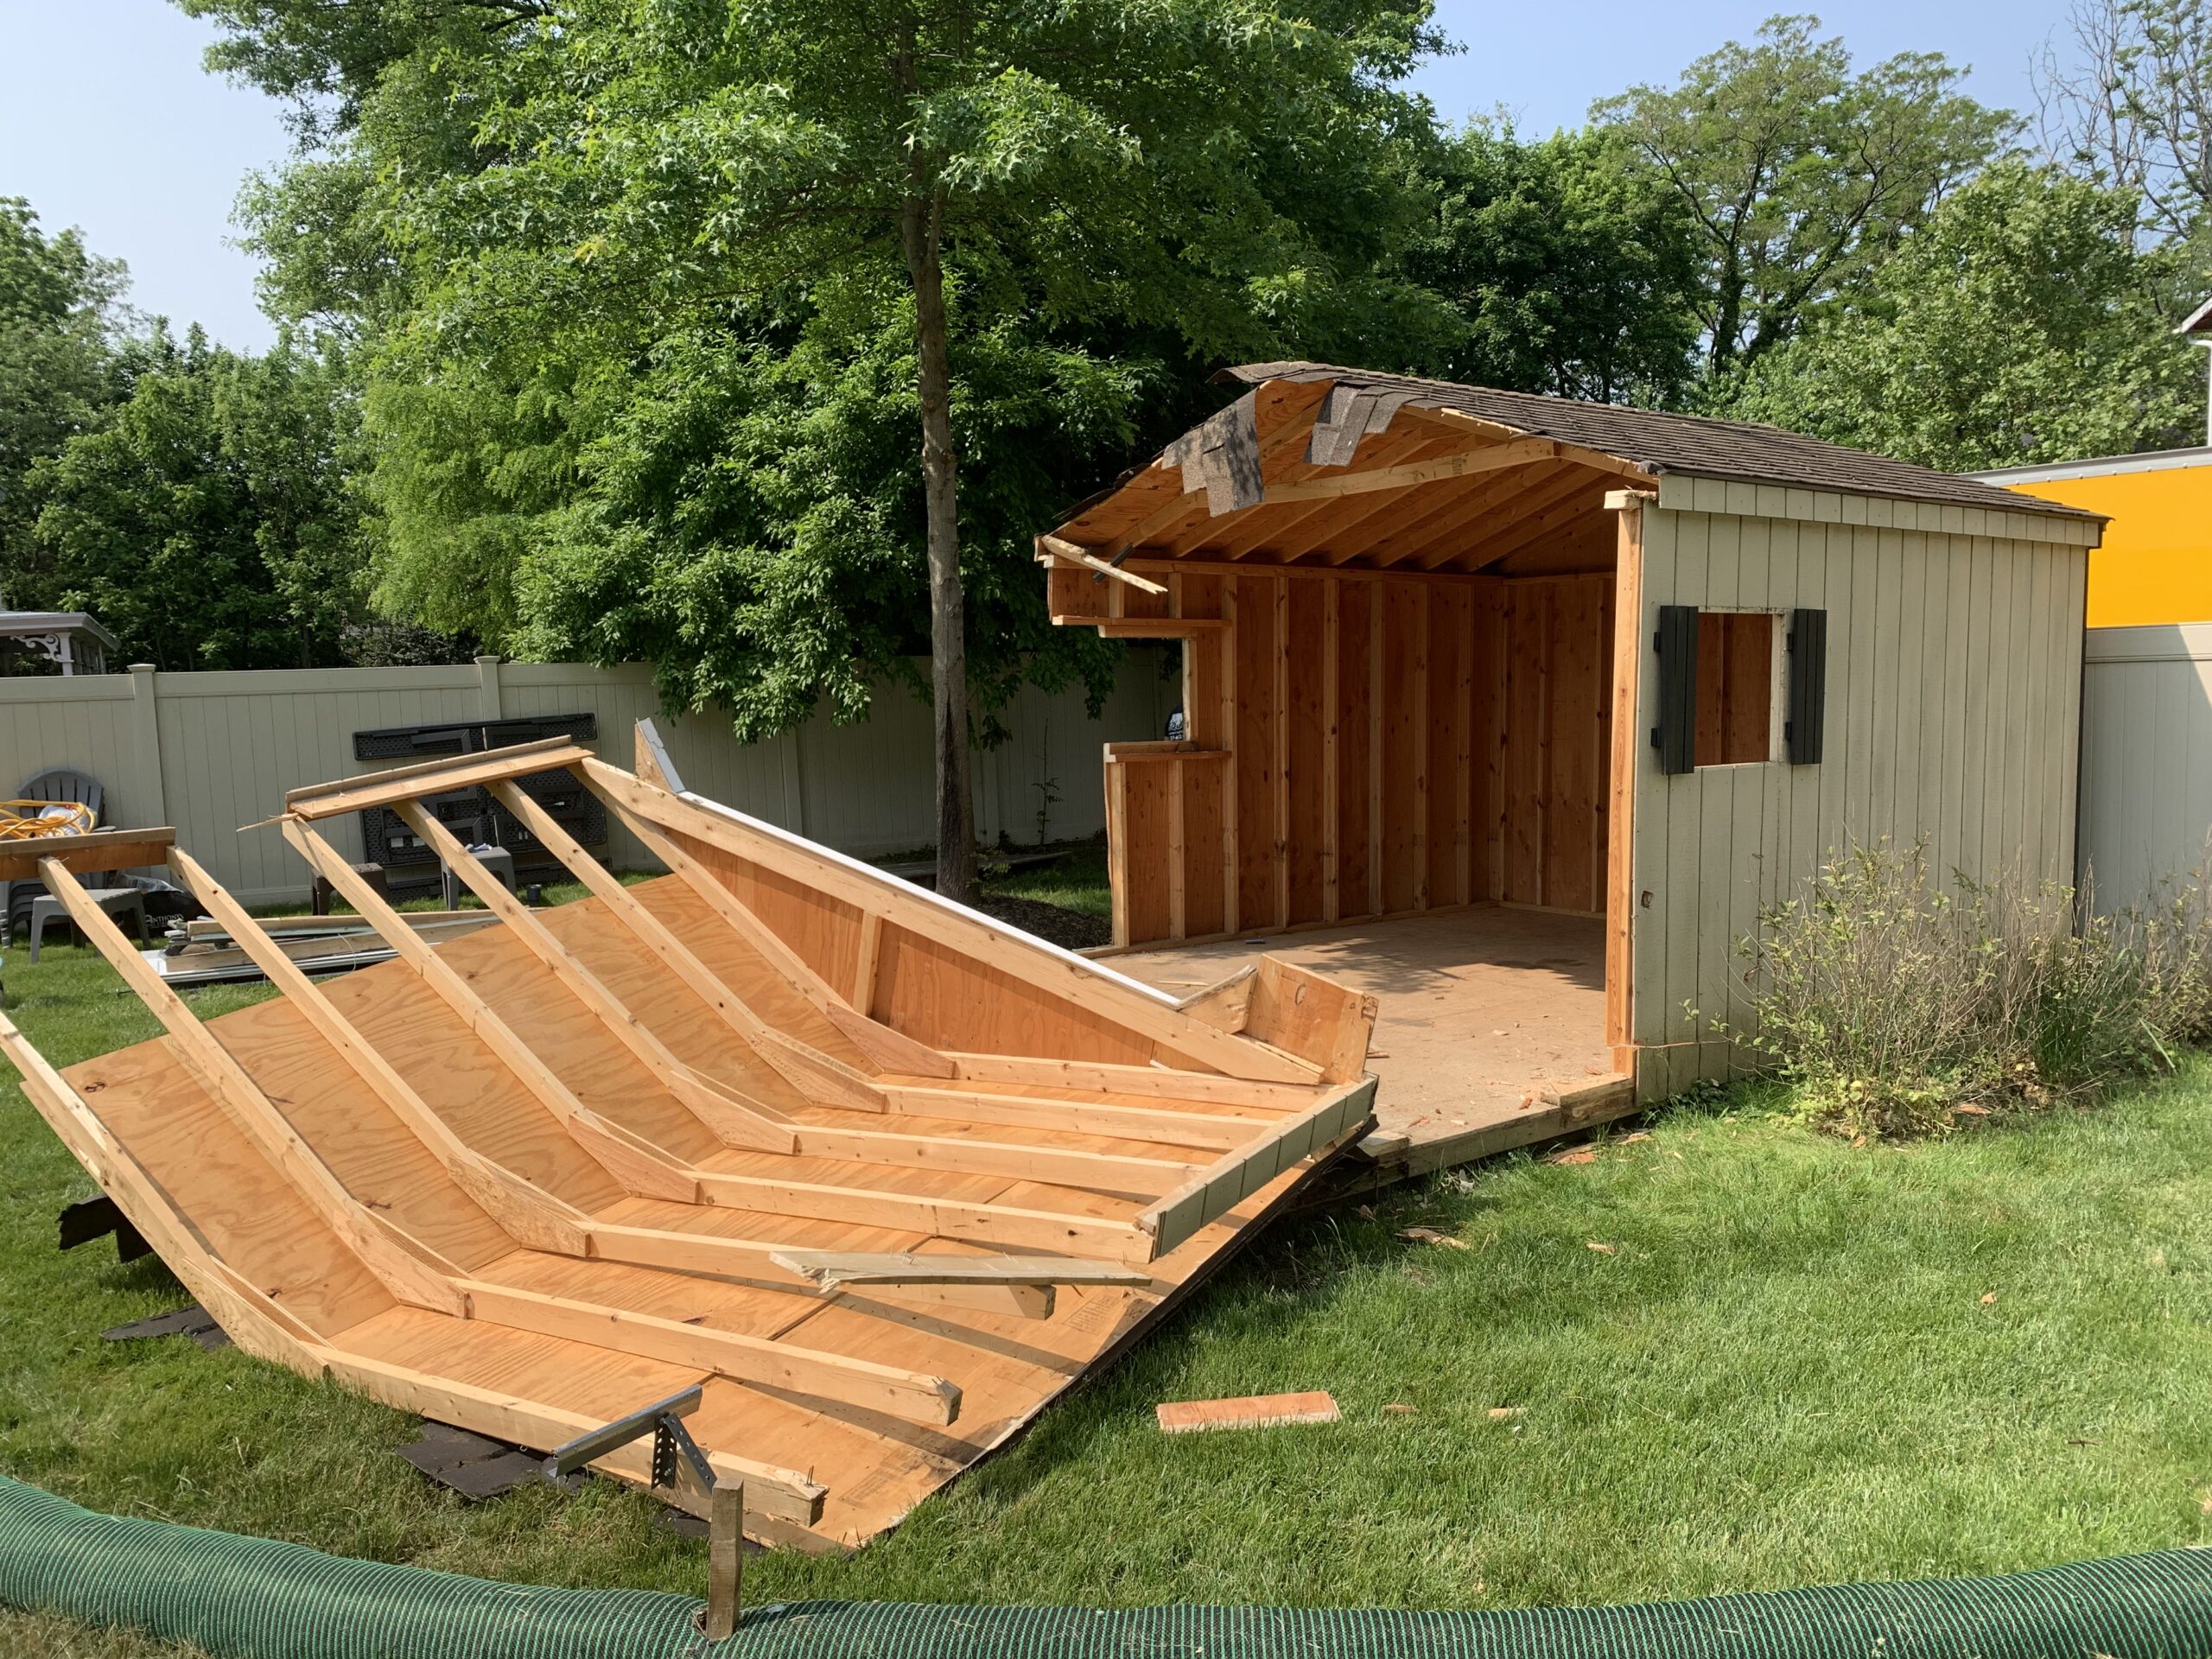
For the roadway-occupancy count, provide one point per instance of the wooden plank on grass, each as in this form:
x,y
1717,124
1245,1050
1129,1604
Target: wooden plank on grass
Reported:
x,y
1248,1411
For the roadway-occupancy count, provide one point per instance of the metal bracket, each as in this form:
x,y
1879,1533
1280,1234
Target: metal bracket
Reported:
x,y
680,1469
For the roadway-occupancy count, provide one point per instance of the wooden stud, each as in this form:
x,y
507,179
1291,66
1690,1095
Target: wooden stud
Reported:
x,y
1331,781
215,1070
890,1050
831,1268
1180,1040
1620,863
103,849
1421,748
725,1561
1281,727
1052,549
1215,1191
909,1395
1231,702
320,801
1376,859
871,953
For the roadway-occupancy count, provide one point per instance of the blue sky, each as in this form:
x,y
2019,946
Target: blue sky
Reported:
x,y
107,121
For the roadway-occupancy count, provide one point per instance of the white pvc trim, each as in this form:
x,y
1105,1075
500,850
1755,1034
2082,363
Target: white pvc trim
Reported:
x,y
2156,460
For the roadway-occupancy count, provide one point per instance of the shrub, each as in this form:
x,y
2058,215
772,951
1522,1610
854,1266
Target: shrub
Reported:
x,y
1891,1003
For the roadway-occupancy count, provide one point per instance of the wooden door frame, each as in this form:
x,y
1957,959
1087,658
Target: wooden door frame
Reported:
x,y
1621,899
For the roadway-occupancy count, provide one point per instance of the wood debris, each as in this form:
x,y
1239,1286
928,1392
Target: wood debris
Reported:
x,y
859,1165
1250,1411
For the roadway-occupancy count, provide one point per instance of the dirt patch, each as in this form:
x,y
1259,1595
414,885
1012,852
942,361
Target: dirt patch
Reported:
x,y
1069,928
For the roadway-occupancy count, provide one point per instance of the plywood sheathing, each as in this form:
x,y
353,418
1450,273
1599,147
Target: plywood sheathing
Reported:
x,y
508,1186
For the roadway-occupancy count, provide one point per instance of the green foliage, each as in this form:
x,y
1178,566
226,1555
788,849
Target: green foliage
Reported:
x,y
643,364
1890,1004
56,374
207,522
1801,175
1576,270
2018,324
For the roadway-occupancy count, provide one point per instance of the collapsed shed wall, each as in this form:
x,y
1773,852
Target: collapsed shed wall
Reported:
x,y
1952,718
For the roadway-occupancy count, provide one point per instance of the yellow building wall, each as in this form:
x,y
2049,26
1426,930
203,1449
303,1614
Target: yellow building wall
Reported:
x,y
2155,564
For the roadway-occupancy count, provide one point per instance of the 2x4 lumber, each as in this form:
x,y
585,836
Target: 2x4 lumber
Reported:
x,y
1231,704
1052,550
1378,602
1280,728
1149,628
1627,507
780,1494
740,1121
1448,533
1331,781
891,1050
1341,530
982,1224
1147,1082
648,1247
834,1081
832,1267
103,849
1215,1191
1296,528
1467,463
331,800
1061,973
527,1213
735,1120
864,966
909,1394
1155,1125
1581,455
214,1068
636,1166
248,1317
1226,1001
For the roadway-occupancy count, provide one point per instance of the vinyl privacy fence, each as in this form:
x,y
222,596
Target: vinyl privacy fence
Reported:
x,y
2146,758
209,753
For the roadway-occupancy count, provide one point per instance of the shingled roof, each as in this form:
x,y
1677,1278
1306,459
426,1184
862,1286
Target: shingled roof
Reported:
x,y
1673,443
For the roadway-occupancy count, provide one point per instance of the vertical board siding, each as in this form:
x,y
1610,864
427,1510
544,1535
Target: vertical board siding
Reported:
x,y
231,745
1953,720
2146,760
1392,745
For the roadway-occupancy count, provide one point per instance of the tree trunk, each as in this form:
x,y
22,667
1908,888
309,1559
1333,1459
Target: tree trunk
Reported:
x,y
920,229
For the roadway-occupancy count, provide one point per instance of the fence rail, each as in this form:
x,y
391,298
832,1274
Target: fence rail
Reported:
x,y
209,752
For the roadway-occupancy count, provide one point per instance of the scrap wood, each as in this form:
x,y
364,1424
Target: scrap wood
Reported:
x,y
1250,1411
777,1127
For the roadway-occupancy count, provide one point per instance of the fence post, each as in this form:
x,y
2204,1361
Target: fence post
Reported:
x,y
146,727
487,675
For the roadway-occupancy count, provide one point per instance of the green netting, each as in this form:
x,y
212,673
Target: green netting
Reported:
x,y
256,1600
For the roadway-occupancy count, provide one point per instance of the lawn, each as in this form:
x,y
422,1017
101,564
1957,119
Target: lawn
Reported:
x,y
1728,1354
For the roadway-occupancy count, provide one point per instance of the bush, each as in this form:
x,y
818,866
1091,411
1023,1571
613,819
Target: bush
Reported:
x,y
1894,1005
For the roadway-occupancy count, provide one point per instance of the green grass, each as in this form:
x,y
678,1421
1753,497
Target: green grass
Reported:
x,y
1786,1369
1076,882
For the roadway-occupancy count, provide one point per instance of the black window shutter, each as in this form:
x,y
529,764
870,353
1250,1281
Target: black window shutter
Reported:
x,y
1808,686
1675,735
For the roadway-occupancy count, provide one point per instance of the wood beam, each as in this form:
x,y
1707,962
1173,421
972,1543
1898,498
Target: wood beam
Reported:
x,y
912,1396
710,1102
1214,1192
215,1070
1465,463
640,1167
890,1050
1180,1039
319,801
102,850
830,1268
1151,1125
1058,550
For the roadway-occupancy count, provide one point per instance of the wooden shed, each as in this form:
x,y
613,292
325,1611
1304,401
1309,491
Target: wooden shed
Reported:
x,y
1514,710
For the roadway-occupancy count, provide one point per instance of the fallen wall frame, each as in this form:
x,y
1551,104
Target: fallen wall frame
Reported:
x,y
879,1176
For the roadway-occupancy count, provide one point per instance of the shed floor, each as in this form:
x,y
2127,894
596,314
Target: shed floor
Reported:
x,y
1491,1032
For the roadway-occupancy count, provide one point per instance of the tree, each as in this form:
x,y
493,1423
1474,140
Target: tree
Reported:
x,y
57,373
2019,324
207,522
2135,110
1575,268
1802,176
646,226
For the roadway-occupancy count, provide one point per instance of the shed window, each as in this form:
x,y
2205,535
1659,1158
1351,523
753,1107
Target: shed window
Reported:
x,y
1735,687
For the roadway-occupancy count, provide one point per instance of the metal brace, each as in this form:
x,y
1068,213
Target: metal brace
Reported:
x,y
681,1470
